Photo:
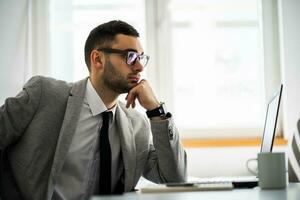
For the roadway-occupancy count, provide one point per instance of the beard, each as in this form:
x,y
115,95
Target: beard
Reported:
x,y
114,80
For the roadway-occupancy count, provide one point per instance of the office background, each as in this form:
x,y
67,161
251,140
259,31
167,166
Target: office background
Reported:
x,y
44,38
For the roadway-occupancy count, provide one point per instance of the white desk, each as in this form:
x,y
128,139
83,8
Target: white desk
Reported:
x,y
292,192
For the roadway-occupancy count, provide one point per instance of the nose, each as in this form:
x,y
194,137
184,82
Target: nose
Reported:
x,y
138,67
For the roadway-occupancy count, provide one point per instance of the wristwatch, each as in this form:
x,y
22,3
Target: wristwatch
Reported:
x,y
160,111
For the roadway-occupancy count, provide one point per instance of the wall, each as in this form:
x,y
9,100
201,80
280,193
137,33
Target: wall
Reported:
x,y
13,52
24,50
289,29
215,162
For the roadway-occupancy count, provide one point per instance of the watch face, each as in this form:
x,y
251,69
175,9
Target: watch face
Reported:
x,y
163,109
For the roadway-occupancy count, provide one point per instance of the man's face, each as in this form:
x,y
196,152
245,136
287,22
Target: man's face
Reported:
x,y
118,75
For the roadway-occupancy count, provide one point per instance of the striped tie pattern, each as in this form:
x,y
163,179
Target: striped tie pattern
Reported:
x,y
294,156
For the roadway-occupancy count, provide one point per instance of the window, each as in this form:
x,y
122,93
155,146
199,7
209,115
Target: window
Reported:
x,y
72,20
207,59
217,73
212,64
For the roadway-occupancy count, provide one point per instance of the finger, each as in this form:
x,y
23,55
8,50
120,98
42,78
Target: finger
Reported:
x,y
143,81
130,98
133,101
127,104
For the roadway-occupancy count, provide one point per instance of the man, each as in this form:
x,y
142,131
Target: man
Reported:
x,y
53,135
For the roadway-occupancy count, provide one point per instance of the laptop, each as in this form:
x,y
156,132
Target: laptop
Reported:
x,y
270,122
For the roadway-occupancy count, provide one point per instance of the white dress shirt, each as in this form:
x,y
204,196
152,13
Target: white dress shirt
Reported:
x,y
79,176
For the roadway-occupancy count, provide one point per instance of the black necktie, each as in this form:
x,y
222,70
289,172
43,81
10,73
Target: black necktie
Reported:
x,y
105,157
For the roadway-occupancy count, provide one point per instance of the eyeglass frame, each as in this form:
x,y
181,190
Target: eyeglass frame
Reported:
x,y
125,53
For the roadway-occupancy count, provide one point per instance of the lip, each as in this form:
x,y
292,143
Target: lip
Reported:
x,y
134,78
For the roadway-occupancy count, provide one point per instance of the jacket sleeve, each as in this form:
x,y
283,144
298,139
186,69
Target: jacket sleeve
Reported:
x,y
17,112
167,158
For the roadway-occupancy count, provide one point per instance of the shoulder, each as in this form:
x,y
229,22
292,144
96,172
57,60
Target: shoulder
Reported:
x,y
47,88
47,83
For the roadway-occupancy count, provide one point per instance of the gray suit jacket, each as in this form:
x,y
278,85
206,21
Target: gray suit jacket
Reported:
x,y
36,129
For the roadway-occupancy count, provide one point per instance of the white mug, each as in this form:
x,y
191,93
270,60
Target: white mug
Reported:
x,y
272,170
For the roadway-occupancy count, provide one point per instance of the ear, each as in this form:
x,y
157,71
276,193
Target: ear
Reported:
x,y
97,59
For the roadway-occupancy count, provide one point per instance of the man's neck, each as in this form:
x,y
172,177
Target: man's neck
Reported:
x,y
108,96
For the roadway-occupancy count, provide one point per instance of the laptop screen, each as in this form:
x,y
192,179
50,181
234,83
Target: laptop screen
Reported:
x,y
270,122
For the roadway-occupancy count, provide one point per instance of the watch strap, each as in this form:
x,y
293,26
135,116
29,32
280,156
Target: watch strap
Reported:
x,y
157,112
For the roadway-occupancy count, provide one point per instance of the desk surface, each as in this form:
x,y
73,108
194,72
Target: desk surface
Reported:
x,y
292,192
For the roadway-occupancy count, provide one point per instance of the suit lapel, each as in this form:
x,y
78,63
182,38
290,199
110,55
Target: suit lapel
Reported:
x,y
128,147
67,131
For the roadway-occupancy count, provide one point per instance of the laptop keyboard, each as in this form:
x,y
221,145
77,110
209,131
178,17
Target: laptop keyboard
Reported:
x,y
188,187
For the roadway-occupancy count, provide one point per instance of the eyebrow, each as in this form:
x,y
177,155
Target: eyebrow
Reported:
x,y
133,50
130,50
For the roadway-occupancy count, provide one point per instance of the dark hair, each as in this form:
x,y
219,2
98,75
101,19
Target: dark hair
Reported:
x,y
104,34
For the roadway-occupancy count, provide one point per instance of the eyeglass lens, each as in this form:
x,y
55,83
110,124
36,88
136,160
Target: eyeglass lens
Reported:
x,y
132,57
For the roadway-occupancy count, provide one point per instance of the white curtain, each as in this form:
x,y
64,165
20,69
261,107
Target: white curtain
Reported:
x,y
24,43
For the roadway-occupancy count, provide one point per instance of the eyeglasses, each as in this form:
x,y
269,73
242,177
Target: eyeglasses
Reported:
x,y
131,56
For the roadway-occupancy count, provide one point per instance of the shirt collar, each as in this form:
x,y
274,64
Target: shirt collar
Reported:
x,y
94,101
